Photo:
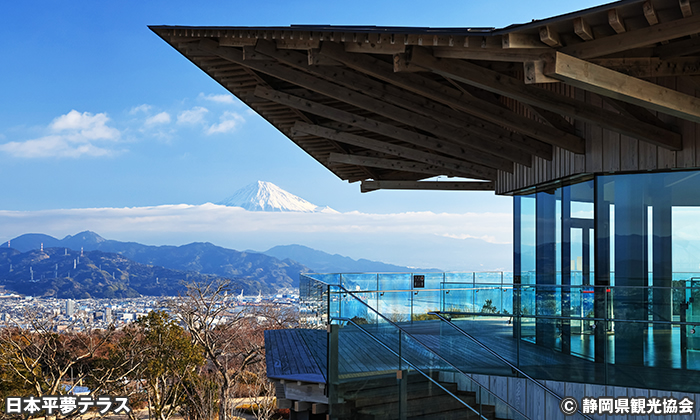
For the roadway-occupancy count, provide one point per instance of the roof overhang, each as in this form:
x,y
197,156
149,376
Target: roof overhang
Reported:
x,y
394,106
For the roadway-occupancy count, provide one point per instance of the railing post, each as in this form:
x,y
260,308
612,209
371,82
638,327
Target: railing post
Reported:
x,y
333,370
402,377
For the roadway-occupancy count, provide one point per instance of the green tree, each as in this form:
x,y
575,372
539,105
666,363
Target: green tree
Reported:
x,y
165,363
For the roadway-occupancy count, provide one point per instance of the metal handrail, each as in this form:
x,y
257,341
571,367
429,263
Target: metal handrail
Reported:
x,y
428,348
566,318
503,359
416,368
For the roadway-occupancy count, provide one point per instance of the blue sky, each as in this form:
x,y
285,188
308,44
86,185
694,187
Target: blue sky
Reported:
x,y
97,111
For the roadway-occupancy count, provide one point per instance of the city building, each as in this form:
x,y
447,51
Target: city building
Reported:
x,y
589,120
70,308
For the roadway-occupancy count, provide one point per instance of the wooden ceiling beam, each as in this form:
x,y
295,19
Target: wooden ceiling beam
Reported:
x,y
635,39
652,66
550,37
616,21
368,186
532,95
491,137
515,40
678,49
583,29
450,164
458,141
686,8
650,13
391,164
514,55
374,126
455,99
606,82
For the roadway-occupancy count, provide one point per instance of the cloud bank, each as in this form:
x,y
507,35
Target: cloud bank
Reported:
x,y
414,238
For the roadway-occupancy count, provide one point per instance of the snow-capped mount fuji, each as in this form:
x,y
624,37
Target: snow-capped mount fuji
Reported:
x,y
266,196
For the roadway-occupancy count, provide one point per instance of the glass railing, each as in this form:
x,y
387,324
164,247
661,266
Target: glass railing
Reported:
x,y
610,335
385,371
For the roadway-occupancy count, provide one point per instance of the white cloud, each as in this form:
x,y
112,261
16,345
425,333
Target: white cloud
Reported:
x,y
222,99
141,108
71,135
228,122
82,127
161,118
422,239
192,116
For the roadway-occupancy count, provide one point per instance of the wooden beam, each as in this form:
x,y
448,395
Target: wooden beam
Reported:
x,y
616,21
316,59
250,54
616,85
549,36
650,13
638,112
383,48
318,408
517,55
392,164
652,66
635,39
686,8
374,126
518,40
368,186
455,99
678,49
301,406
504,143
534,73
452,140
583,29
297,44
499,83
450,164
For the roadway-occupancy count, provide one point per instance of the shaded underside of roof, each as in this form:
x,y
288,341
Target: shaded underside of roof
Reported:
x,y
393,106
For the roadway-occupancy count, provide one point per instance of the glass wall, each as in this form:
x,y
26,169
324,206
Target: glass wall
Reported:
x,y
610,267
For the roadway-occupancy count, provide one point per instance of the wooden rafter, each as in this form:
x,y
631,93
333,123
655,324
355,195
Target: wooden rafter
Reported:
x,y
450,139
373,126
488,137
368,186
451,164
456,100
545,99
606,82
652,66
635,39
583,29
392,164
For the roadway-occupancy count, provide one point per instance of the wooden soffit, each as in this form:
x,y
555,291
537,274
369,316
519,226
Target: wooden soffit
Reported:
x,y
394,106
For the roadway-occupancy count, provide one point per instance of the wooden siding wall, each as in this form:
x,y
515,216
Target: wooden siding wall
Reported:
x,y
607,151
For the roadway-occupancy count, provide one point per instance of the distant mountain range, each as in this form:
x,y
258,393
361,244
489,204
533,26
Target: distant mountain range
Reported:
x,y
256,272
323,262
42,265
65,273
266,196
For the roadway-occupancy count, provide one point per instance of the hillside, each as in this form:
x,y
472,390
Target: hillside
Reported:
x,y
259,272
64,273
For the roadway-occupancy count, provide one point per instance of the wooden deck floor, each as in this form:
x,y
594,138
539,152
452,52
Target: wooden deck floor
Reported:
x,y
301,355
